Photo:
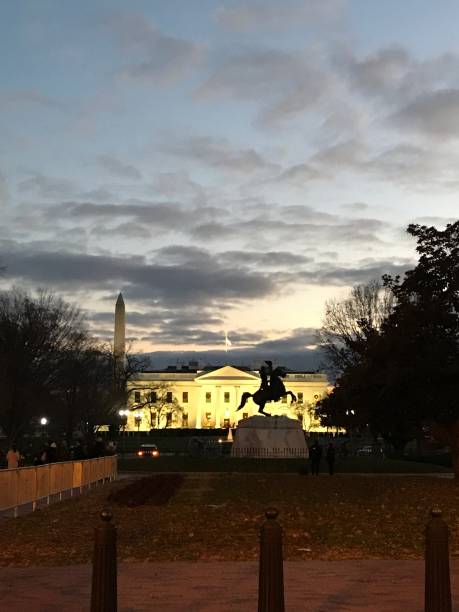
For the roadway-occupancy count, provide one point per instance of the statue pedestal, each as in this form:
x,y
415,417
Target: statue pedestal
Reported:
x,y
273,437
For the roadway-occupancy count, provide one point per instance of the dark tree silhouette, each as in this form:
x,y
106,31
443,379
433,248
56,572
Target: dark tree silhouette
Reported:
x,y
405,375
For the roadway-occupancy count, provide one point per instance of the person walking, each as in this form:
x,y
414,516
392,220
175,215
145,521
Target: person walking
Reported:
x,y
13,457
315,455
331,458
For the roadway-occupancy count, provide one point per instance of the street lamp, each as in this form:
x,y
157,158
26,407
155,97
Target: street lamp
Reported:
x,y
124,415
43,423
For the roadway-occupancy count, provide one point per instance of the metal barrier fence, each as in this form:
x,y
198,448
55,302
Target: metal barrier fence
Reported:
x,y
30,484
270,453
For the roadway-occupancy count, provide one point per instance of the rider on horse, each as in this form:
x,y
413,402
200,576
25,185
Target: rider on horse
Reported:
x,y
271,389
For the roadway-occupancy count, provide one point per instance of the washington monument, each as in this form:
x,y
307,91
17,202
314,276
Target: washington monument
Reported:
x,y
119,341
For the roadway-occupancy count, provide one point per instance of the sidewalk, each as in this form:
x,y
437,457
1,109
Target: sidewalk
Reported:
x,y
312,586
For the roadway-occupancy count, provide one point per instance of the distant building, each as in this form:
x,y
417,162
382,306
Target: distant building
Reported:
x,y
190,397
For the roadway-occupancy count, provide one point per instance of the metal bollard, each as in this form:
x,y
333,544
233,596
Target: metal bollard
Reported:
x,y
437,578
271,576
104,588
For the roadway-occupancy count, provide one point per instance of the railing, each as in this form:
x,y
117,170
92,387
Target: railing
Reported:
x,y
270,453
30,484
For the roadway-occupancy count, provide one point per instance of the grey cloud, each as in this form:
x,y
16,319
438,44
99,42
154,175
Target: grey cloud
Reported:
x,y
220,153
350,153
286,82
268,259
362,272
383,71
296,340
47,187
124,230
415,166
436,221
118,168
404,164
212,231
166,215
137,278
355,206
100,195
179,255
396,77
9,100
158,318
4,191
432,114
340,231
179,183
300,174
152,54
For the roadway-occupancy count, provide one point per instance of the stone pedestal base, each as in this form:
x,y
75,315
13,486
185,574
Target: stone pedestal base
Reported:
x,y
271,437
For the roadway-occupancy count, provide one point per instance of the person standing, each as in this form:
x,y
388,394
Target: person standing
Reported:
x,y
331,458
13,457
315,455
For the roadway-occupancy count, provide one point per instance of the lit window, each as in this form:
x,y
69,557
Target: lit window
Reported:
x,y
300,398
137,396
185,419
169,397
226,423
185,397
226,397
168,419
208,397
284,399
153,397
208,417
245,415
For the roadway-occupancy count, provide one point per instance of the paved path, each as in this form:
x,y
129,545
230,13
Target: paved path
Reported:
x,y
312,586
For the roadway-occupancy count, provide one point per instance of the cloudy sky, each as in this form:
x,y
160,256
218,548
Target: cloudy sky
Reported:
x,y
225,164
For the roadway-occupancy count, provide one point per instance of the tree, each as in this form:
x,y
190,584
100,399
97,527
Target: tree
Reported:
x,y
87,394
348,323
34,333
159,400
405,375
424,333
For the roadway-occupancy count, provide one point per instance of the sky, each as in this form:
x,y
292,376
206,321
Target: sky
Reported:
x,y
226,165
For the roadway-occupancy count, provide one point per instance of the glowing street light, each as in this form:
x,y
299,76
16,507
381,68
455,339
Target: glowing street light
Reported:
x,y
43,423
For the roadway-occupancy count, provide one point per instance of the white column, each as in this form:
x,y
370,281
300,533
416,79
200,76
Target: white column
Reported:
x,y
218,405
199,403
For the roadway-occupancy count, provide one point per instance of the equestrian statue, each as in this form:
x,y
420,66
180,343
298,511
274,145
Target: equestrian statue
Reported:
x,y
271,389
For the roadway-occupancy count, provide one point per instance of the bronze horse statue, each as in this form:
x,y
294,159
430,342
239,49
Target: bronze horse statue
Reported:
x,y
269,391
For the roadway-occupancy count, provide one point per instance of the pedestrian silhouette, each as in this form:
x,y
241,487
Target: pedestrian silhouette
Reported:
x,y
315,455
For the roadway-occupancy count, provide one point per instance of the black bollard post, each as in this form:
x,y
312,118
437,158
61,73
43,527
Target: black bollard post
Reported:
x,y
437,579
271,577
104,589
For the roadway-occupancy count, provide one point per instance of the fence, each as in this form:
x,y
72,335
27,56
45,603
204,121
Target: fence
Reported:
x,y
30,484
270,453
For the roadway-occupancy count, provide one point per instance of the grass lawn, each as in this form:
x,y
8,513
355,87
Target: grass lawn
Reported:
x,y
217,517
183,463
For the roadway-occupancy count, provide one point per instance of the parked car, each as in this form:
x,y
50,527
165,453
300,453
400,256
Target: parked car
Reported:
x,y
148,450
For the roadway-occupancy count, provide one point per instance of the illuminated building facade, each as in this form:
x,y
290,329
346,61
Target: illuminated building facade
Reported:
x,y
189,397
